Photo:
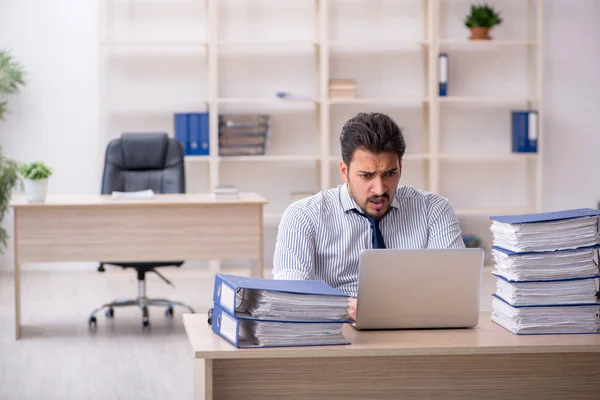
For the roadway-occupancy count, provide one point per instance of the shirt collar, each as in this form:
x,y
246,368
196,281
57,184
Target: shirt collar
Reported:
x,y
348,202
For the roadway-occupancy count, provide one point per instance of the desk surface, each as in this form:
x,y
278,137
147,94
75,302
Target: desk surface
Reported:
x,y
163,199
486,338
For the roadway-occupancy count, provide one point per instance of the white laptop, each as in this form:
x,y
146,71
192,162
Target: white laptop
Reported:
x,y
418,289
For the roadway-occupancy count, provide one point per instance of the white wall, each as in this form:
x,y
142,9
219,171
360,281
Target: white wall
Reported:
x,y
57,44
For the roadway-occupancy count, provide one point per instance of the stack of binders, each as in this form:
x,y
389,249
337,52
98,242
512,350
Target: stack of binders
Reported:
x,y
255,312
546,267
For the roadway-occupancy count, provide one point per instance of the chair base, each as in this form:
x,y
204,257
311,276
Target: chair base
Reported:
x,y
142,301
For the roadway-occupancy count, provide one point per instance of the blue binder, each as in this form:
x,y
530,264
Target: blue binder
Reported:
x,y
524,253
596,304
524,131
546,216
231,329
227,286
181,128
198,134
443,74
505,279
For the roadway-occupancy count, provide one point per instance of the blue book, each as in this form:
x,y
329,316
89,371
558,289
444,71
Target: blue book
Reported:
x,y
199,134
181,128
244,333
546,216
524,131
238,295
443,74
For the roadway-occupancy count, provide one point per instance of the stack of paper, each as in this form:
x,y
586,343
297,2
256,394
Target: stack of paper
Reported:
x,y
254,312
547,272
546,320
272,305
546,236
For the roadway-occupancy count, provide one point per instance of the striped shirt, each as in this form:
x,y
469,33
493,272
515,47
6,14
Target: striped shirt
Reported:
x,y
320,238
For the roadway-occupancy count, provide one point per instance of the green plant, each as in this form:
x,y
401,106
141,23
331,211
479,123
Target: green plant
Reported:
x,y
35,170
8,180
482,16
11,78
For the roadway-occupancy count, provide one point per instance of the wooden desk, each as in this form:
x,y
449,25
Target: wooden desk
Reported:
x,y
165,227
486,362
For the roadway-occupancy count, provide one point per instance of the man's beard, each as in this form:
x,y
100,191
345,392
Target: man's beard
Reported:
x,y
364,205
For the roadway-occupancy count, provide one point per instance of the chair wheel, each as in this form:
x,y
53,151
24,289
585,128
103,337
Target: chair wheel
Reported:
x,y
92,323
110,312
169,312
145,323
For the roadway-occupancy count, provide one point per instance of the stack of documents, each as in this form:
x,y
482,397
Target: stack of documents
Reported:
x,y
254,312
547,272
549,235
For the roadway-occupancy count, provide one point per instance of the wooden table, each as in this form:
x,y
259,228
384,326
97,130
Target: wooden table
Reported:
x,y
486,362
165,227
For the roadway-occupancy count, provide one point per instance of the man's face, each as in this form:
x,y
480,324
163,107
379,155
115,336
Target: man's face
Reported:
x,y
372,180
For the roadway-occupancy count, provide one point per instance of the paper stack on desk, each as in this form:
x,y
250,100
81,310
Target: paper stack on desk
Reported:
x,y
255,312
547,272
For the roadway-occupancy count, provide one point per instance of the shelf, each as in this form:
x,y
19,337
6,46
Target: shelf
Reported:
x,y
376,46
267,100
381,100
154,44
483,101
269,158
197,158
477,44
487,157
272,44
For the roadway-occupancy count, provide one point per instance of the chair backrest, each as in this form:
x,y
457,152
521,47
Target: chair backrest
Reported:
x,y
142,161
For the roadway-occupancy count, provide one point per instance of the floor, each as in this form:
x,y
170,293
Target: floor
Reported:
x,y
58,358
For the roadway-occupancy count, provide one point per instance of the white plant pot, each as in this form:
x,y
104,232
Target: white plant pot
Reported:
x,y
35,190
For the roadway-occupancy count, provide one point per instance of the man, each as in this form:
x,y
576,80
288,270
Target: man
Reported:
x,y
320,237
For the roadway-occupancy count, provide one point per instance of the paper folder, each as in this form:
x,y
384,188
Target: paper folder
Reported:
x,y
249,333
547,216
230,293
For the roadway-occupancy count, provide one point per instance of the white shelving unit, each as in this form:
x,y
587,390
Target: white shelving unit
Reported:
x,y
159,57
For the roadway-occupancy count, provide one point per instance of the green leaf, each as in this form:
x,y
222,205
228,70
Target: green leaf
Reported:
x,y
35,170
11,79
9,179
482,16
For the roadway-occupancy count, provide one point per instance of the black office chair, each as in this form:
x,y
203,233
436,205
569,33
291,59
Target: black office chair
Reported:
x,y
142,161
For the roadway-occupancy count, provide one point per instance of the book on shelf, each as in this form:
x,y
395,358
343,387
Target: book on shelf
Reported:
x,y
192,131
546,269
342,88
257,312
443,66
524,131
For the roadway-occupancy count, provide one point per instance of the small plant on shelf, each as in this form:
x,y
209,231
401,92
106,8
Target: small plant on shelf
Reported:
x,y
481,19
36,177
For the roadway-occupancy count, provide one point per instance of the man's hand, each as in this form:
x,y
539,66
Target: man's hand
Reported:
x,y
352,308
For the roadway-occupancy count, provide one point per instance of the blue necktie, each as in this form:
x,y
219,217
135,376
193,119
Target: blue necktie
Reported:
x,y
376,236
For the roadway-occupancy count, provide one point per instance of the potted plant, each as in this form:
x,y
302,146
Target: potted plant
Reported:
x,y
11,79
35,176
481,19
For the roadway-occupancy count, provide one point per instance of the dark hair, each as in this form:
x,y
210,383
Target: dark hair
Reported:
x,y
374,132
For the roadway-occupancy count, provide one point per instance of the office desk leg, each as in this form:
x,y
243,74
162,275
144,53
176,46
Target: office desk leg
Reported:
x,y
17,278
203,373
